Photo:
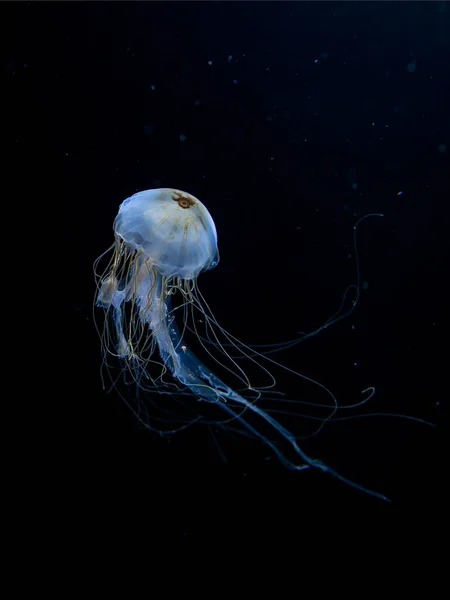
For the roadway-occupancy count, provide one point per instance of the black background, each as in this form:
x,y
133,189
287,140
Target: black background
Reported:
x,y
300,101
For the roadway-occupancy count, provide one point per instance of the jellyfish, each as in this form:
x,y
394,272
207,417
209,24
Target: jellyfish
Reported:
x,y
163,239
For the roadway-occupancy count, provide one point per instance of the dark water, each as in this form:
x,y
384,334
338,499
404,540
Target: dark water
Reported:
x,y
290,121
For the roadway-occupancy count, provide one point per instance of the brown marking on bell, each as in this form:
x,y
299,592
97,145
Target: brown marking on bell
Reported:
x,y
184,200
186,227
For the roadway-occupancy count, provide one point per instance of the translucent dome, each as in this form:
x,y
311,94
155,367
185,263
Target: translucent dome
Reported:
x,y
173,229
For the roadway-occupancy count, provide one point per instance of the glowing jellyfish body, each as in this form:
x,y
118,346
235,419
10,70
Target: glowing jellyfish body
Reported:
x,y
164,238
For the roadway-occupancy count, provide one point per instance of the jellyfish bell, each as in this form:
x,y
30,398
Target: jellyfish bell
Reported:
x,y
171,229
